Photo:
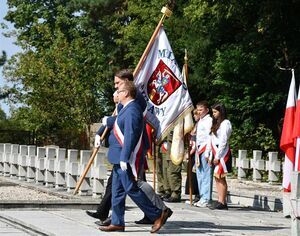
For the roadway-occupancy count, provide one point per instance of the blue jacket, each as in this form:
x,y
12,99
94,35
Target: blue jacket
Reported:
x,y
143,106
131,123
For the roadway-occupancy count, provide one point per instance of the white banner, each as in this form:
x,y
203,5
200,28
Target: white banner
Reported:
x,y
162,85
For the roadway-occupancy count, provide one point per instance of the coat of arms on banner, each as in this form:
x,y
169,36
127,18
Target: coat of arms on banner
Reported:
x,y
162,84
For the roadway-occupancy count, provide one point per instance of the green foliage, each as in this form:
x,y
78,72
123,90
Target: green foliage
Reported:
x,y
248,138
72,48
62,74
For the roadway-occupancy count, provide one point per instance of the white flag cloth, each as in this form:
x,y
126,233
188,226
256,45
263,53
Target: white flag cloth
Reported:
x,y
161,83
183,126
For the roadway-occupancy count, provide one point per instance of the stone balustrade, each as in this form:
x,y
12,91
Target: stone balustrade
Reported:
x,y
54,167
256,167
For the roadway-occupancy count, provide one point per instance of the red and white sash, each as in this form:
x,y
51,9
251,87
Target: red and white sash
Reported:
x,y
221,167
201,149
199,152
136,155
137,152
164,147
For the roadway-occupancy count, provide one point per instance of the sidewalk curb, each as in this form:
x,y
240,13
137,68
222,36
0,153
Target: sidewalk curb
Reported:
x,y
29,228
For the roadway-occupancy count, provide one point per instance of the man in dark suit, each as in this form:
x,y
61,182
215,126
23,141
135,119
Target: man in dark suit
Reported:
x,y
125,144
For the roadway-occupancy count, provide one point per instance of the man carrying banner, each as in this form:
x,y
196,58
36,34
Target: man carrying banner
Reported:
x,y
124,146
102,212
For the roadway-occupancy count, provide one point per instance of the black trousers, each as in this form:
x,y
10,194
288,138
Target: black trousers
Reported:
x,y
105,204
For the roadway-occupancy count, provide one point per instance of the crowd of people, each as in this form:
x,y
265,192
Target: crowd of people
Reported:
x,y
128,142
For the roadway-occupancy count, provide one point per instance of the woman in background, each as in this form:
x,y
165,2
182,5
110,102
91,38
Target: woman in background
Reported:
x,y
219,139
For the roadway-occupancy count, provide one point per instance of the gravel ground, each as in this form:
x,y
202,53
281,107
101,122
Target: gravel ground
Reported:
x,y
20,193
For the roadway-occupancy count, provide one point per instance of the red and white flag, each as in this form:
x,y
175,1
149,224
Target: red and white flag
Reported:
x,y
287,140
296,132
162,85
149,135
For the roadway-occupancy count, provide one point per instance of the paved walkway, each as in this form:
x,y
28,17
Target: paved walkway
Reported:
x,y
67,216
185,220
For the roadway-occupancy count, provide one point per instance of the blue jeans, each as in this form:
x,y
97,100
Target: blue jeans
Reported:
x,y
204,179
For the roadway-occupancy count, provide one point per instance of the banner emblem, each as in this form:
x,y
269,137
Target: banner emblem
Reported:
x,y
162,84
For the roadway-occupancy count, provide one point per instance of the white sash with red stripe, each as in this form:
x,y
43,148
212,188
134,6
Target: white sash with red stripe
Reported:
x,y
221,167
136,152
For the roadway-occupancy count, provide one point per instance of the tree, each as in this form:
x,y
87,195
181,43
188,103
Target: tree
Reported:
x,y
71,48
62,73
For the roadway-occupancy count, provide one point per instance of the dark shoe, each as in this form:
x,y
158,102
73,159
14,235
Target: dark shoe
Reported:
x,y
196,199
169,213
99,223
106,222
144,221
219,206
93,214
110,228
158,223
172,199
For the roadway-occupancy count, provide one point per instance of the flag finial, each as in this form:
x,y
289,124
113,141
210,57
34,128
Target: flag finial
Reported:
x,y
166,11
185,56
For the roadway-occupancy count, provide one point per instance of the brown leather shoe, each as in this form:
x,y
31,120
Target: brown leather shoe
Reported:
x,y
110,228
158,223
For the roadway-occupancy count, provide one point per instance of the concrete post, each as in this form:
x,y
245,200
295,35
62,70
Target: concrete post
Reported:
x,y
6,164
295,203
84,159
51,154
60,168
242,164
72,169
22,162
14,160
40,165
258,165
273,167
99,173
1,158
30,163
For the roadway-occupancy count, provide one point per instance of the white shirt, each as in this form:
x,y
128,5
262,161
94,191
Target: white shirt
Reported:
x,y
128,102
203,130
221,139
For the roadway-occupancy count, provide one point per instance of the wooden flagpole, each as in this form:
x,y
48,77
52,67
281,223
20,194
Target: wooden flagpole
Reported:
x,y
91,160
87,168
190,167
166,13
154,164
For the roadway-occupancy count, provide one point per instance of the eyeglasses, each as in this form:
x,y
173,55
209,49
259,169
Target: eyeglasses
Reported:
x,y
120,91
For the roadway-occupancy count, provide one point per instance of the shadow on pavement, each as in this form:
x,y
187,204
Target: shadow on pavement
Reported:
x,y
202,227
